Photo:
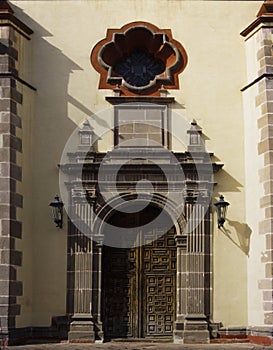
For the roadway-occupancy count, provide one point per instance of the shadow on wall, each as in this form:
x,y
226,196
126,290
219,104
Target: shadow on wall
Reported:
x,y
50,72
237,232
87,112
228,183
239,236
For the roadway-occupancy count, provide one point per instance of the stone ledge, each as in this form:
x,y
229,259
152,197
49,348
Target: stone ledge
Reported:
x,y
233,331
262,335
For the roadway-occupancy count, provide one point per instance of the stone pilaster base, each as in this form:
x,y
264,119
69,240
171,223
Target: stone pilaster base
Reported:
x,y
193,330
178,332
99,336
196,330
81,330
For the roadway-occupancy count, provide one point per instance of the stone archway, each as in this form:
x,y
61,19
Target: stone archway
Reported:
x,y
95,203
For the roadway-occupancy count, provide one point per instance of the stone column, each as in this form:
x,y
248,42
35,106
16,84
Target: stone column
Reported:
x,y
97,291
181,293
11,29
196,320
80,266
81,248
193,277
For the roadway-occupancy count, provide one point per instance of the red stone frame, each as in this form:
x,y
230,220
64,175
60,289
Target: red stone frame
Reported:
x,y
139,35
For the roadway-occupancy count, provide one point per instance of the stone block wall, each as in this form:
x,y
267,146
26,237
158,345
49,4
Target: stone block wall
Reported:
x,y
264,104
261,124
10,173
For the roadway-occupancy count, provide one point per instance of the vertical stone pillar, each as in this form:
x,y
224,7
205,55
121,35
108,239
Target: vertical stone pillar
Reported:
x,y
10,172
265,149
193,277
97,291
258,105
81,303
181,292
80,266
196,320
194,251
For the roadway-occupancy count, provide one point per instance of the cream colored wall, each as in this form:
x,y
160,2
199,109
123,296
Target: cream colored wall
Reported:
x,y
64,34
254,189
254,214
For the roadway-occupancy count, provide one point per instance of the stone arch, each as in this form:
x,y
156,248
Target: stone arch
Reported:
x,y
133,279
158,200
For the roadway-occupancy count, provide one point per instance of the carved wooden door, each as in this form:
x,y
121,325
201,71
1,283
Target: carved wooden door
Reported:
x,y
159,285
119,293
139,288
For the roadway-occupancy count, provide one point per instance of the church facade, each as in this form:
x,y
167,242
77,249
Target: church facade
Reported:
x,y
139,115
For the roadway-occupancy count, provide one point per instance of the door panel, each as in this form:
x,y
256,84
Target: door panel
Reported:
x,y
119,292
139,288
159,274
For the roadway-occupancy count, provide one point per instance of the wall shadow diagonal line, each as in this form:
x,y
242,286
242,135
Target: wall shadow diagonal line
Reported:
x,y
243,232
88,112
227,182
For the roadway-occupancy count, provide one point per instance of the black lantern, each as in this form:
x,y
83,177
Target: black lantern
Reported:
x,y
57,211
221,208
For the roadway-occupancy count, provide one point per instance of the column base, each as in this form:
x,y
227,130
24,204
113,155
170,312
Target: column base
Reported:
x,y
99,338
81,330
178,331
191,330
196,337
196,330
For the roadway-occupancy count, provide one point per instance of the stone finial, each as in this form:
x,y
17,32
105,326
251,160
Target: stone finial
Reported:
x,y
195,141
195,126
117,90
86,136
163,92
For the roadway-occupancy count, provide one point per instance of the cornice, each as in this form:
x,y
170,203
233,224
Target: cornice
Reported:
x,y
7,17
264,19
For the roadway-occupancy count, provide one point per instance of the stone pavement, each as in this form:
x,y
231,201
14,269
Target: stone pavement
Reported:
x,y
136,346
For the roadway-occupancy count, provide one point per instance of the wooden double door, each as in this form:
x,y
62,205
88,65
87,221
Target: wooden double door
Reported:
x,y
139,288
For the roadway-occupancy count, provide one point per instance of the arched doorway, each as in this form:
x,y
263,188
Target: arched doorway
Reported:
x,y
139,282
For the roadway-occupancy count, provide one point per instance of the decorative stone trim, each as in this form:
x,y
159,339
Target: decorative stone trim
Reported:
x,y
194,256
111,53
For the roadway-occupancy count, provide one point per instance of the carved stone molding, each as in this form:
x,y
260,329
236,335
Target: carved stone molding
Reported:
x,y
139,58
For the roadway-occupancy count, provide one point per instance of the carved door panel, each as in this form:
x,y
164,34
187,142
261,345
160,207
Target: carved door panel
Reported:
x,y
139,288
119,292
159,280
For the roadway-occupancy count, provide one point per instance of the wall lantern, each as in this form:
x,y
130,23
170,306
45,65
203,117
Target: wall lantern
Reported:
x,y
57,211
221,208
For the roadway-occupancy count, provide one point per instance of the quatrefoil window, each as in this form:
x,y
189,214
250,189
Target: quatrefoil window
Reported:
x,y
139,69
140,58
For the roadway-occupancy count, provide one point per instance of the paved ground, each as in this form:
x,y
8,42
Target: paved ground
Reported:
x,y
136,346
